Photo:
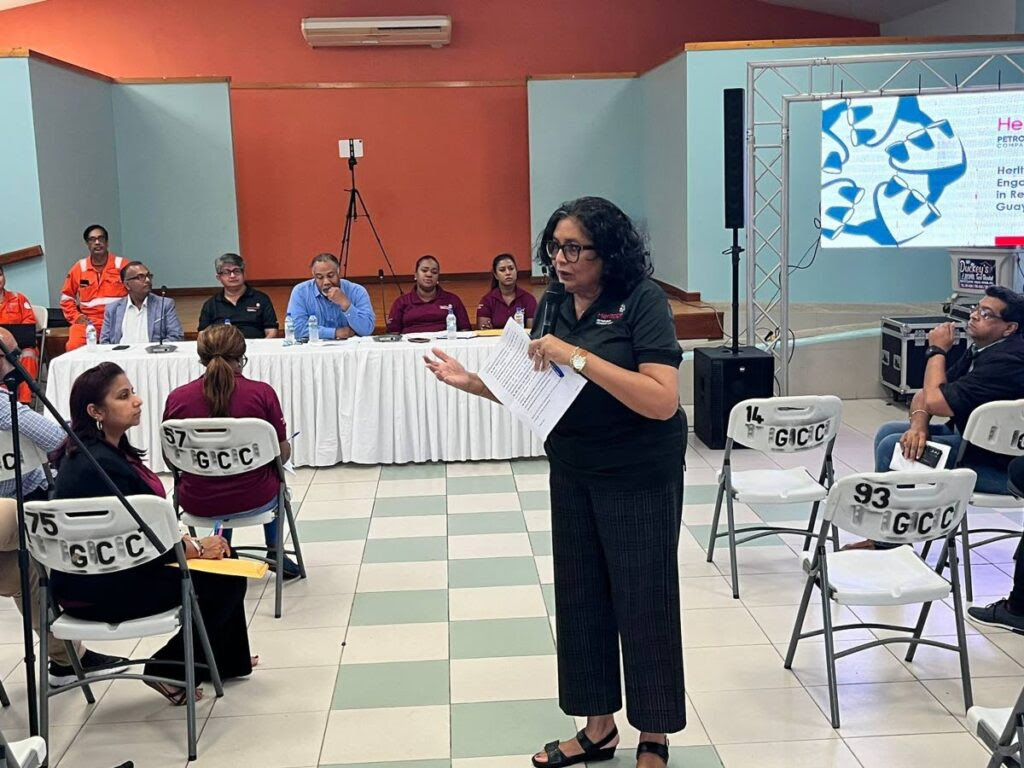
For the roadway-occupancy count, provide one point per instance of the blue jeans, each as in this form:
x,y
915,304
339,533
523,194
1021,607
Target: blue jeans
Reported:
x,y
990,479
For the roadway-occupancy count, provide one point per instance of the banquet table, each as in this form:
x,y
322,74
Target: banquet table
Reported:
x,y
356,400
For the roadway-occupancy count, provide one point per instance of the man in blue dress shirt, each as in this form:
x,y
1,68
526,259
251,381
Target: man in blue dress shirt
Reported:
x,y
342,308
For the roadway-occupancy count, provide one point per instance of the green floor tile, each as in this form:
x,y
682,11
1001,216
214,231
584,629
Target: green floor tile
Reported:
x,y
333,530
490,571
530,466
535,500
700,494
541,542
412,607
525,727
778,513
500,637
411,471
701,533
549,597
486,522
396,684
415,550
483,484
410,506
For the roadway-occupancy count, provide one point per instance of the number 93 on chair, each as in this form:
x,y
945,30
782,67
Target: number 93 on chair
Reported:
x,y
780,425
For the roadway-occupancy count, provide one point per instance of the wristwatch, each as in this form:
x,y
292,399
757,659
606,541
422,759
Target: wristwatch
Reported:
x,y
933,350
578,359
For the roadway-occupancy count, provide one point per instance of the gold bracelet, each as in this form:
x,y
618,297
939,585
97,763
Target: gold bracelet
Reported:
x,y
916,411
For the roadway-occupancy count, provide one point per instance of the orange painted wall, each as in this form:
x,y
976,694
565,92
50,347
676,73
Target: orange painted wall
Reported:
x,y
446,169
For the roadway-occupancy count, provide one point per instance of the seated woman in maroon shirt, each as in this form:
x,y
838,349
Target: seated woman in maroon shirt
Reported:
x,y
505,298
425,307
224,392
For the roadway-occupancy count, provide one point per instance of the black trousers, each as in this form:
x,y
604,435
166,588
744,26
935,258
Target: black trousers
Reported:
x,y
617,577
152,588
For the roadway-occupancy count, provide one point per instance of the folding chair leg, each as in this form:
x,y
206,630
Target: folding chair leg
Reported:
x,y
925,609
798,627
279,575
961,632
76,664
733,566
200,626
190,669
968,580
4,699
926,549
713,537
44,654
294,530
809,538
830,651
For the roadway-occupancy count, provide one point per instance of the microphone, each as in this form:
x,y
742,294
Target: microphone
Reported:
x,y
384,313
156,349
553,297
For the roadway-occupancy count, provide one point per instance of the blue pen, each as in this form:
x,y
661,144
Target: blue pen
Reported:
x,y
295,434
557,370
218,528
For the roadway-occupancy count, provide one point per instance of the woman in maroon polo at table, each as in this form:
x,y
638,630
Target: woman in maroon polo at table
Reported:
x,y
425,307
224,392
505,298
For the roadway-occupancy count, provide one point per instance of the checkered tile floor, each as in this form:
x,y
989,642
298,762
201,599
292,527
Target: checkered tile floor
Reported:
x,y
423,639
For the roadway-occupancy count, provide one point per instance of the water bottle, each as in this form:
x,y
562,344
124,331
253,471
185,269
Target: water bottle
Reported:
x,y
289,331
91,338
314,330
450,323
520,316
227,321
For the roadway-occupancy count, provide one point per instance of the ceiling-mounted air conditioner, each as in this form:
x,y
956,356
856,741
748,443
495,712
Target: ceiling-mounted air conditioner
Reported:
x,y
434,31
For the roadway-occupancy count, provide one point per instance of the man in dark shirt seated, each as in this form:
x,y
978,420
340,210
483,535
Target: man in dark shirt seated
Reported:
x,y
244,307
1008,613
991,369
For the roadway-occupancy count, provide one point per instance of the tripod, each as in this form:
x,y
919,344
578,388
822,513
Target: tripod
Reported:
x,y
355,204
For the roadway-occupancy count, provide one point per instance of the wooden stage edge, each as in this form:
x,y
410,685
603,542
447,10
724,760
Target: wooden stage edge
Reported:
x,y
694,319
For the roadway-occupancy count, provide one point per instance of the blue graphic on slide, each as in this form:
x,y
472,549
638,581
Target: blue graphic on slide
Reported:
x,y
914,157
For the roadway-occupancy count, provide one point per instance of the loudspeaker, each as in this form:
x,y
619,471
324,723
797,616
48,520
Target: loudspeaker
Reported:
x,y
720,380
734,156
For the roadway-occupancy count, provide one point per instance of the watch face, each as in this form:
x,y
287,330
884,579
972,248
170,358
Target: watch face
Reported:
x,y
577,362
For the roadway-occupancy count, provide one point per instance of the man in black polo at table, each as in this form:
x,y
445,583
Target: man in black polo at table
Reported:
x,y
243,306
991,369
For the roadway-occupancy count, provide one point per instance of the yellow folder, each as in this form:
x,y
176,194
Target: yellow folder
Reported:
x,y
250,569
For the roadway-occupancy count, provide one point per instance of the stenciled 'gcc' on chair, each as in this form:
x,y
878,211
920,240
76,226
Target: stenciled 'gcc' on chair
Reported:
x,y
223,447
98,535
897,508
780,425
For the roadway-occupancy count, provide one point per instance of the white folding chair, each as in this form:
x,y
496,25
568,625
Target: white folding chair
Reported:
x,y
96,536
898,508
227,447
1001,729
27,753
997,427
775,425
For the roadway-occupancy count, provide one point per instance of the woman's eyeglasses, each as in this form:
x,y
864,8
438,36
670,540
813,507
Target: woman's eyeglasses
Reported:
x,y
571,251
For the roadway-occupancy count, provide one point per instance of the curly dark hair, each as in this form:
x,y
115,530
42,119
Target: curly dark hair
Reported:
x,y
1014,312
618,243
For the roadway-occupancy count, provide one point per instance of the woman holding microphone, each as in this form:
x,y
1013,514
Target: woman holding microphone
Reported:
x,y
616,460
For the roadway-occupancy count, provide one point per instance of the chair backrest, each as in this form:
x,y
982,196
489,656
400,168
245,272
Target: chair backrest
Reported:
x,y
98,535
786,424
997,427
219,447
42,318
901,507
31,456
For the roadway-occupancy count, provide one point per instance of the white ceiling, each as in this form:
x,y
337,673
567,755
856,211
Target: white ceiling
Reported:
x,y
878,11
6,4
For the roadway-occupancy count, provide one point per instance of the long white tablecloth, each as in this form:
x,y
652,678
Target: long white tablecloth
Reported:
x,y
356,401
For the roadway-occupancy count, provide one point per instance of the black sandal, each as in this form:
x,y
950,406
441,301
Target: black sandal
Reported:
x,y
653,747
175,695
592,753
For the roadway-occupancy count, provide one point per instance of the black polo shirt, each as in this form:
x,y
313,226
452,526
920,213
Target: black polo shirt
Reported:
x,y
252,315
993,373
599,439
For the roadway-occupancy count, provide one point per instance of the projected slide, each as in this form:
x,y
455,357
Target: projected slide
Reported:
x,y
916,171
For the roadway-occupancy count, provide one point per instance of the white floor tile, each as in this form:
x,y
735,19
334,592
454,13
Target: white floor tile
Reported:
x,y
408,527
433,486
496,603
504,679
392,577
396,642
489,545
424,735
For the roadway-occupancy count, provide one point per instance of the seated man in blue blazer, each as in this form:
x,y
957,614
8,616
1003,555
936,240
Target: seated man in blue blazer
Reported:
x,y
140,317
